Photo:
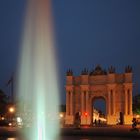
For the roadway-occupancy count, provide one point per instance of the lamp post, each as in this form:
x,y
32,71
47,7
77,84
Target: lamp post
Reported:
x,y
61,115
11,111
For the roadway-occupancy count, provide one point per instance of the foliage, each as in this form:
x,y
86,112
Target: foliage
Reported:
x,y
62,108
136,104
3,102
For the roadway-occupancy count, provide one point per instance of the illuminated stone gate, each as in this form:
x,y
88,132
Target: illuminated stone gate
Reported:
x,y
114,88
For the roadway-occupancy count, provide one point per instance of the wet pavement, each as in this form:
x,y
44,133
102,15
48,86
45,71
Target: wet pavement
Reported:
x,y
107,131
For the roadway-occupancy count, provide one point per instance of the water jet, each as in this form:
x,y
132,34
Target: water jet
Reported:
x,y
37,76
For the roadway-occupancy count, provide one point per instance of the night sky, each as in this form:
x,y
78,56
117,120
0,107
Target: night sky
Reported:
x,y
87,33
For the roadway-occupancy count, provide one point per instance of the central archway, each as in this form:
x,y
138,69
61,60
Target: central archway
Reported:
x,y
98,110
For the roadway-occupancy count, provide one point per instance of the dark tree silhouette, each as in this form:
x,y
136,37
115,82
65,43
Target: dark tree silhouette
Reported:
x,y
136,104
3,102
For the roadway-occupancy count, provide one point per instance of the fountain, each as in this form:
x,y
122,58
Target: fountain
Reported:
x,y
38,72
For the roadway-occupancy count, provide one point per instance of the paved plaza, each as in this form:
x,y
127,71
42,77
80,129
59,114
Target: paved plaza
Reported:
x,y
116,131
112,131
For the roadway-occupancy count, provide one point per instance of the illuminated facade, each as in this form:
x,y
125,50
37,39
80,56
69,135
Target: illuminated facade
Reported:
x,y
114,88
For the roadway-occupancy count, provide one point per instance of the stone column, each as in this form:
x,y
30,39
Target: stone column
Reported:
x,y
109,104
130,103
71,103
67,103
126,102
90,111
86,107
87,101
114,108
82,102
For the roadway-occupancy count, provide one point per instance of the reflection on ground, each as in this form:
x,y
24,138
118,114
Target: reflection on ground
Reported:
x,y
82,138
1,138
95,138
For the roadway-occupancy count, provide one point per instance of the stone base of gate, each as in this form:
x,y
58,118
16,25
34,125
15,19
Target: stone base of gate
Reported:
x,y
85,120
69,120
128,119
112,119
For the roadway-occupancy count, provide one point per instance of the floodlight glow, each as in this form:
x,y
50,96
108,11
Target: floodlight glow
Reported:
x,y
11,139
37,74
19,120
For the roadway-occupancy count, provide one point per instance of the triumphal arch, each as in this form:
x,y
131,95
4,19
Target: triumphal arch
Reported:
x,y
114,88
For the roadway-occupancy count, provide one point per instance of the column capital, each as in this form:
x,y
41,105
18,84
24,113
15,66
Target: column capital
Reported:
x,y
128,86
69,88
111,86
84,87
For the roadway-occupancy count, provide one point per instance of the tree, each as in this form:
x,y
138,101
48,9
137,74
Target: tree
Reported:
x,y
3,102
62,108
136,104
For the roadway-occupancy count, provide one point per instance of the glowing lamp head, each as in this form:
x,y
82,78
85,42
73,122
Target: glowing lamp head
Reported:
x,y
10,124
61,115
2,118
11,109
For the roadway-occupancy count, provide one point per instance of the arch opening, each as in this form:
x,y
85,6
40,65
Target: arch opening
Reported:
x,y
98,111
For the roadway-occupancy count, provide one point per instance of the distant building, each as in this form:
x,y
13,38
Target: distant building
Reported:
x,y
114,88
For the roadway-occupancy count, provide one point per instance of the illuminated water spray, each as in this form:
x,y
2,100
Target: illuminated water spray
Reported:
x,y
37,74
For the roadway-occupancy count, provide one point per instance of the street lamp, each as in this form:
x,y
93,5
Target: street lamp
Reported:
x,y
61,115
11,109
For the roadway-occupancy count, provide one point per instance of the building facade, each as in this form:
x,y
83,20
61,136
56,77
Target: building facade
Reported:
x,y
114,88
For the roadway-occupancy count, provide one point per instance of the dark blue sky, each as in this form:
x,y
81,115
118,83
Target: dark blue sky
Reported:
x,y
88,32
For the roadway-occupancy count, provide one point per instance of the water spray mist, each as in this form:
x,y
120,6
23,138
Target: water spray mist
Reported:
x,y
38,72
